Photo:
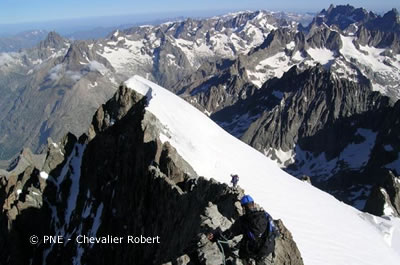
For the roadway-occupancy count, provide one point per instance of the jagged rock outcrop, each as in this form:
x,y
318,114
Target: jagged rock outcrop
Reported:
x,y
286,250
120,180
325,38
23,202
275,41
53,40
26,158
370,29
385,196
206,252
309,101
52,43
217,85
346,17
165,56
390,21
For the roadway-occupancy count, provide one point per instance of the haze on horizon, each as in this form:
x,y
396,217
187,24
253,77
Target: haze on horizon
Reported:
x,y
18,15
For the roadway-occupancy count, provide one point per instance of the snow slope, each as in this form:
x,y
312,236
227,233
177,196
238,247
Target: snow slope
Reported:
x,y
325,230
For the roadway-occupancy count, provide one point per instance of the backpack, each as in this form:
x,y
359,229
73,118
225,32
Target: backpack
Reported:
x,y
260,233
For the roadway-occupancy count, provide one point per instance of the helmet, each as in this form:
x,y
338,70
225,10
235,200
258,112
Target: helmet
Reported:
x,y
246,199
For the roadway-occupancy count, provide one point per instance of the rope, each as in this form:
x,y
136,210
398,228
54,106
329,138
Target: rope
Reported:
x,y
220,242
222,250
223,241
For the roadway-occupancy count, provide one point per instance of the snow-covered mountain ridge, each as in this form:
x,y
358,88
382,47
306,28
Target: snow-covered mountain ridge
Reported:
x,y
215,63
117,180
154,147
312,215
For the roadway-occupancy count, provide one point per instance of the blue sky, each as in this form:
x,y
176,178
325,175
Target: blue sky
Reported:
x,y
68,16
17,11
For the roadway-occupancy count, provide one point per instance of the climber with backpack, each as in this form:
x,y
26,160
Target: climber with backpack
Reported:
x,y
259,233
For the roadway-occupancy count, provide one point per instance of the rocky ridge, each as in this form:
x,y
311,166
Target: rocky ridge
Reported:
x,y
119,179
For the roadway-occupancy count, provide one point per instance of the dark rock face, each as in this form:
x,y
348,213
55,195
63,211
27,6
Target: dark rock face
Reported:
x,y
318,120
325,38
275,41
385,196
120,180
162,71
53,40
345,16
286,249
206,252
217,85
379,38
370,29
390,21
22,214
373,30
310,100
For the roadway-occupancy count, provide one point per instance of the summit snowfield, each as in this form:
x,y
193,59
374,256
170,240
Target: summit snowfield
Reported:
x,y
326,230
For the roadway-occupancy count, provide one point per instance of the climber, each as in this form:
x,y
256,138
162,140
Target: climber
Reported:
x,y
234,180
259,233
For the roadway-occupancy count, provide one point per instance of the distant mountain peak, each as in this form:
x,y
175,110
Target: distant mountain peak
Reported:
x,y
392,15
390,21
53,40
343,16
22,40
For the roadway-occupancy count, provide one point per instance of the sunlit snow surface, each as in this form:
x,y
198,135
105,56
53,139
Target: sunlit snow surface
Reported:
x,y
325,230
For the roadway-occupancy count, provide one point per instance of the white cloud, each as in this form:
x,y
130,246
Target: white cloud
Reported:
x,y
6,58
96,66
73,75
54,73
